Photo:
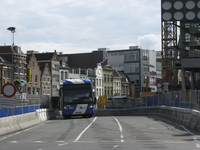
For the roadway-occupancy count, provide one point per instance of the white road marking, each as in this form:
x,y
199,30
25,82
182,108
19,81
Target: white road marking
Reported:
x,y
174,142
62,144
84,130
3,138
115,146
120,129
13,142
60,141
197,145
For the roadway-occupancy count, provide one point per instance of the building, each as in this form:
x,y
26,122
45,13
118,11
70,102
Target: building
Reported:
x,y
125,85
85,60
108,80
33,86
137,64
14,55
5,72
45,83
53,62
117,83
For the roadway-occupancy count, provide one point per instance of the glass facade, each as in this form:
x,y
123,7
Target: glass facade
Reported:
x,y
190,39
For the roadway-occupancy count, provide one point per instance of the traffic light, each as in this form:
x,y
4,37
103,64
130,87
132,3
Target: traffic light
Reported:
x,y
29,74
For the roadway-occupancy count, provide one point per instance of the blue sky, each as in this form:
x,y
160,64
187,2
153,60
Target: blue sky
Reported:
x,y
77,26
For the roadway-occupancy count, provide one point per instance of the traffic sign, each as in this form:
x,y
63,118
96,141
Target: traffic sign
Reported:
x,y
8,90
159,85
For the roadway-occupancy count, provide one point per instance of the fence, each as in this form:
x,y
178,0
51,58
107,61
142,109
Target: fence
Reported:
x,y
26,104
183,99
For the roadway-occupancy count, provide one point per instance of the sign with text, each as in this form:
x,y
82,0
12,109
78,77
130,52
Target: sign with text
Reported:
x,y
102,100
9,103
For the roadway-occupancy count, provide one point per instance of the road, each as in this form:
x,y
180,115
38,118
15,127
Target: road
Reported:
x,y
103,133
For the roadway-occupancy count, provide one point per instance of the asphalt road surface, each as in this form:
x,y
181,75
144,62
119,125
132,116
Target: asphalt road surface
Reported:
x,y
103,133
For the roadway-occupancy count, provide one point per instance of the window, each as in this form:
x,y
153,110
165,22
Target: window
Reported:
x,y
104,77
17,67
111,90
62,75
29,90
38,91
105,91
108,91
33,90
65,75
33,64
36,78
132,56
8,74
44,78
108,78
126,56
4,73
137,55
22,68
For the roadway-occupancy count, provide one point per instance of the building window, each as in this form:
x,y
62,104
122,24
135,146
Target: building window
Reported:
x,y
111,91
132,56
66,75
22,68
126,56
33,64
29,90
17,67
104,77
8,74
108,91
36,78
137,55
62,75
44,78
33,90
108,78
38,91
4,73
105,91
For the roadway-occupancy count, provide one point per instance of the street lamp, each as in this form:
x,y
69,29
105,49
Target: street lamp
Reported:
x,y
12,29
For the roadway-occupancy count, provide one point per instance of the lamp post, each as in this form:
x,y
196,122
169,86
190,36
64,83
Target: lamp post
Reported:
x,y
12,29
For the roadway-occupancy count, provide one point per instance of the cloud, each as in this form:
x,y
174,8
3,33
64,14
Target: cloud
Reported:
x,y
150,41
81,25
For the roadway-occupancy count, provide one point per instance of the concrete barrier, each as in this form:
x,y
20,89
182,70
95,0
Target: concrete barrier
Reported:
x,y
185,117
24,121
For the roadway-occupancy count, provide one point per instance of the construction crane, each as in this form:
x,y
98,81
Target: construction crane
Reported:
x,y
169,43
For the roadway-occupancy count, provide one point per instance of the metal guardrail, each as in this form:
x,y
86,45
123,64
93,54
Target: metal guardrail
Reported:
x,y
183,99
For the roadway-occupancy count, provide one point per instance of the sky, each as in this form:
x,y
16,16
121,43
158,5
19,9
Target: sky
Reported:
x,y
79,26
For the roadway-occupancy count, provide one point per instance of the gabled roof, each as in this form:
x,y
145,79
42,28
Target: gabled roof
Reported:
x,y
124,76
115,73
2,60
